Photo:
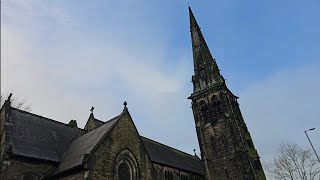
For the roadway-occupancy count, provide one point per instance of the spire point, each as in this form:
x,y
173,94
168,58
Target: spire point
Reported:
x,y
206,69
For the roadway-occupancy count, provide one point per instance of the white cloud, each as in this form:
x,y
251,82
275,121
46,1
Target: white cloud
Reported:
x,y
63,71
63,66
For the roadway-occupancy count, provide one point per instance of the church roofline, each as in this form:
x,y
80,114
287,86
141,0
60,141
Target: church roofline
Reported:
x,y
45,118
168,146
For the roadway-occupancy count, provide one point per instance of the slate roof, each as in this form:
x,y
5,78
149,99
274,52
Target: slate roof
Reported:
x,y
38,137
82,146
98,122
165,155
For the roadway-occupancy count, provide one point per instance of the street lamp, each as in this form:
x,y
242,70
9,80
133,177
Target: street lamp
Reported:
x,y
311,143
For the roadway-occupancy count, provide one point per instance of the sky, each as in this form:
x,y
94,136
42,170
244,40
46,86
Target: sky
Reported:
x,y
62,57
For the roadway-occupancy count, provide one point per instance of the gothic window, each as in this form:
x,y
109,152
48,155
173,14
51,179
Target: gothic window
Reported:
x,y
30,176
204,112
168,175
126,166
184,177
124,171
217,108
202,71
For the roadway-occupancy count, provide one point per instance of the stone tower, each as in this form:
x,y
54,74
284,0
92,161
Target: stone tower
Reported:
x,y
225,143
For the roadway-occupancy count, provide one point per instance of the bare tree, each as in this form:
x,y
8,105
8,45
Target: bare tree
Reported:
x,y
15,102
294,163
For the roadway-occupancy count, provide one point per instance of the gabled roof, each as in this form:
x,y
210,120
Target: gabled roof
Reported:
x,y
165,155
38,137
83,146
98,122
34,136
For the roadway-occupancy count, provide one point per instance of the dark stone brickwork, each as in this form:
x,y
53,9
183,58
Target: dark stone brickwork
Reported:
x,y
90,125
3,144
17,167
124,136
176,174
77,175
223,137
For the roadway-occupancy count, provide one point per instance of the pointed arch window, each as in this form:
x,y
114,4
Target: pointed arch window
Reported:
x,y
217,108
126,166
204,112
168,175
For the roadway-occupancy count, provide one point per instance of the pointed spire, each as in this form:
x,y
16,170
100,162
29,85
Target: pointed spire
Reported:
x,y
206,71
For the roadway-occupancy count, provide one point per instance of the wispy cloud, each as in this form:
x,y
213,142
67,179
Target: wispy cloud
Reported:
x,y
63,61
63,71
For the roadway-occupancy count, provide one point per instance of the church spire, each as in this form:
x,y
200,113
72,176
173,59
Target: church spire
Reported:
x,y
225,144
206,71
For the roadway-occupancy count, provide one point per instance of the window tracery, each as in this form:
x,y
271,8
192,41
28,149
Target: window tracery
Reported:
x,y
126,166
183,176
204,112
217,108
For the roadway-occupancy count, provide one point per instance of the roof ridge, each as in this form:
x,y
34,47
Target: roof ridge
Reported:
x,y
104,123
113,118
98,120
45,118
169,147
107,120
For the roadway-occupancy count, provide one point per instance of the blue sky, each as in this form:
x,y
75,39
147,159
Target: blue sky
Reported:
x,y
65,56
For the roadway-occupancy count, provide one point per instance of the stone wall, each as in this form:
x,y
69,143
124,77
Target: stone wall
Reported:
x,y
74,175
17,167
90,125
223,137
175,174
123,137
3,145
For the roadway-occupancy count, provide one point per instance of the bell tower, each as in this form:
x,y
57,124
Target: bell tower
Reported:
x,y
225,143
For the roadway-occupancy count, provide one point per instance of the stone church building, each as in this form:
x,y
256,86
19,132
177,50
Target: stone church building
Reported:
x,y
35,147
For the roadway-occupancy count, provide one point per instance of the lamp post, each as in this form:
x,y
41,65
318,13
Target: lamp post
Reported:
x,y
311,143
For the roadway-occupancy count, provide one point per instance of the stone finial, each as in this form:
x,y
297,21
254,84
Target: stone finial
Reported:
x,y
91,114
194,150
9,97
125,104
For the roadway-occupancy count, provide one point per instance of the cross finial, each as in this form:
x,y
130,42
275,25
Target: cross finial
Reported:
x,y
9,97
92,108
125,104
